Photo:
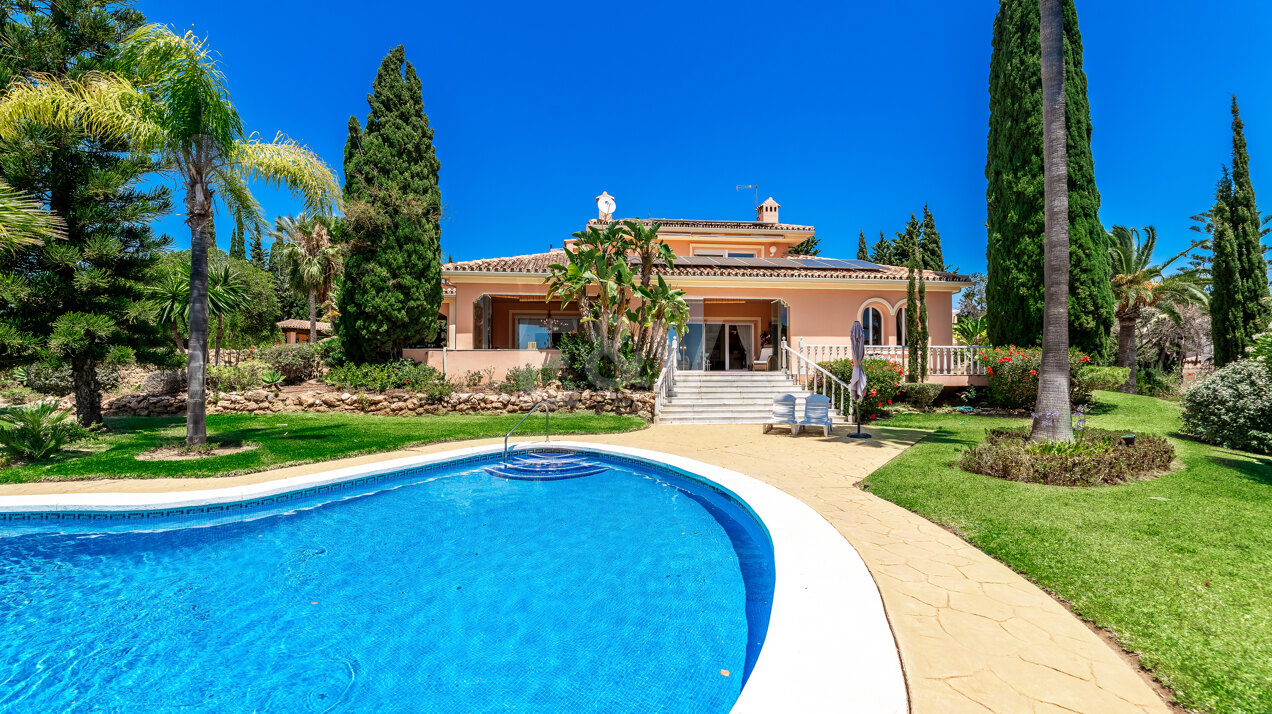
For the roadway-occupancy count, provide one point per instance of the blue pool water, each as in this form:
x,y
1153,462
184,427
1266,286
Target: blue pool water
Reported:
x,y
441,590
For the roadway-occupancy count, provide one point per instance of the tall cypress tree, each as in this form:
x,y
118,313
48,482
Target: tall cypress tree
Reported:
x,y
1014,199
925,337
393,282
907,243
930,243
1243,215
80,301
1228,330
863,253
912,319
808,246
238,247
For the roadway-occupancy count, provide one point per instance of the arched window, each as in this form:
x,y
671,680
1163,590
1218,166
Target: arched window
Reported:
x,y
872,323
901,334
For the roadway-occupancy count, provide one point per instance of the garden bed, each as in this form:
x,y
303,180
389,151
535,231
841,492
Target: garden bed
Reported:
x,y
1094,458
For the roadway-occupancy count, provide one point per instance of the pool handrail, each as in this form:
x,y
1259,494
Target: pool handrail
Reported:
x,y
547,425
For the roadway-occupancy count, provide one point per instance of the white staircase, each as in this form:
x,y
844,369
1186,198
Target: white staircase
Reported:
x,y
728,398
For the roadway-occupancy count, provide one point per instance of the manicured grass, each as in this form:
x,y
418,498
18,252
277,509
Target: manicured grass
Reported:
x,y
1178,568
288,438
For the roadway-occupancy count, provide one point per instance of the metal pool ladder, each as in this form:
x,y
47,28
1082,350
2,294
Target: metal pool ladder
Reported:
x,y
547,430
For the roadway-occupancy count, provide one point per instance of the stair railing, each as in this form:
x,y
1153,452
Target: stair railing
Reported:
x,y
813,377
665,385
547,430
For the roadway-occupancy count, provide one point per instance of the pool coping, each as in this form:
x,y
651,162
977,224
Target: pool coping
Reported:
x,y
829,644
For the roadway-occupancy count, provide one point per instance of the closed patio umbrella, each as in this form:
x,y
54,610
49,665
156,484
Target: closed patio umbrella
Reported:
x,y
857,385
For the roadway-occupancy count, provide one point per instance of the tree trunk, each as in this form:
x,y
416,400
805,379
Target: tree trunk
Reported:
x,y
198,216
176,337
313,318
88,393
1052,419
220,331
1126,352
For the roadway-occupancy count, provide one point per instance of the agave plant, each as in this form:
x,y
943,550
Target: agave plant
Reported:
x,y
972,330
271,379
19,375
36,431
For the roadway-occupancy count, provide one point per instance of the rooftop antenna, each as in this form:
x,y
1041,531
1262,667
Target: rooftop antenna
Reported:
x,y
755,186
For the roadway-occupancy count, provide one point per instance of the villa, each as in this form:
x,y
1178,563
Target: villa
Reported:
x,y
746,290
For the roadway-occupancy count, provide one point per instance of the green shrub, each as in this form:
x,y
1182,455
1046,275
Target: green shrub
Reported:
x,y
236,377
587,368
331,353
1013,376
401,374
16,395
1093,458
1155,383
922,394
521,379
296,362
1232,407
46,378
883,380
36,431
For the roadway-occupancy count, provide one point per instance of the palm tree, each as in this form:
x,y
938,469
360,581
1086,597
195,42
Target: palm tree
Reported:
x,y
170,296
227,293
1138,284
310,261
1052,418
24,222
170,101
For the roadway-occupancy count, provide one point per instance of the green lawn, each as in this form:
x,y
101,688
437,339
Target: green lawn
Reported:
x,y
1179,568
288,438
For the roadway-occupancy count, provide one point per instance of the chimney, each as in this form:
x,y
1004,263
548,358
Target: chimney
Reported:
x,y
767,212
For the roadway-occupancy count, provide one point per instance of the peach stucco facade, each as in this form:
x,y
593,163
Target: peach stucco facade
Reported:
x,y
733,273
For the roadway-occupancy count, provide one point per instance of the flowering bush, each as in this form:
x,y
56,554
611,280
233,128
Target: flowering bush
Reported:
x,y
883,380
1013,376
1232,407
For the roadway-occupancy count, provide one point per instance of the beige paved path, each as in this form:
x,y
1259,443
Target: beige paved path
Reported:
x,y
974,636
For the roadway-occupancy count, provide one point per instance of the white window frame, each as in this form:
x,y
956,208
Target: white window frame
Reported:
x,y
872,339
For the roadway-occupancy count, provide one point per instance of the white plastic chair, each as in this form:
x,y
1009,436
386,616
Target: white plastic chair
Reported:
x,y
783,413
816,414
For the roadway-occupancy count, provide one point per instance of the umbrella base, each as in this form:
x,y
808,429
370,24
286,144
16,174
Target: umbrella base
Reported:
x,y
858,436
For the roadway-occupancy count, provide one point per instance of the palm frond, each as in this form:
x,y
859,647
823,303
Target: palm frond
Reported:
x,y
286,163
24,222
239,201
103,105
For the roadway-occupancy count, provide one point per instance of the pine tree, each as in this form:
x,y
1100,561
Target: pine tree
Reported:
x,y
1227,319
907,243
862,252
257,254
1015,194
238,247
808,246
393,284
930,243
1243,216
883,252
80,301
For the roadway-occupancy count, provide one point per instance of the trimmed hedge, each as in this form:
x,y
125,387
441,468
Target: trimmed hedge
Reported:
x,y
1094,458
1232,407
922,394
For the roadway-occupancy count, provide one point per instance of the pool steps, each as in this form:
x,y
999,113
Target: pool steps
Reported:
x,y
540,466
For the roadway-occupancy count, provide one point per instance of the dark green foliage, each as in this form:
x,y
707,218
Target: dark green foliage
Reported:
x,y
925,336
907,242
807,247
36,431
393,283
257,255
922,394
1228,330
863,253
1015,194
296,362
238,246
250,324
884,252
883,384
397,374
77,300
930,243
912,319
1243,215
56,379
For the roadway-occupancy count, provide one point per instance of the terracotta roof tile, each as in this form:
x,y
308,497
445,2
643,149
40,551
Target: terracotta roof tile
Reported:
x,y
537,264
303,325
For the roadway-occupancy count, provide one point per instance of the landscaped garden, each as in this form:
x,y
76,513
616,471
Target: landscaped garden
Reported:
x,y
1175,567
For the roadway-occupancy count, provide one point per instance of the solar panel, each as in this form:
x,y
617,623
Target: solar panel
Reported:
x,y
839,264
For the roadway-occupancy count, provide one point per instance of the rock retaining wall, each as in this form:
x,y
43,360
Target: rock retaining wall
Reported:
x,y
395,403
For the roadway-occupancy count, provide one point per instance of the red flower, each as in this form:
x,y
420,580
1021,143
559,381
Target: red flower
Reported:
x,y
1033,372
1085,359
874,392
408,381
889,401
991,371
880,405
277,342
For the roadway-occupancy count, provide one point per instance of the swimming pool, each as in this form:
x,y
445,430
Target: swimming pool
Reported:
x,y
437,588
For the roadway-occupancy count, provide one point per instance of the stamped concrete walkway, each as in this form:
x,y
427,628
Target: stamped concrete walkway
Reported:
x,y
974,636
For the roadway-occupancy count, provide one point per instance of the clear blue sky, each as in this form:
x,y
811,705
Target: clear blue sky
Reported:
x,y
851,115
